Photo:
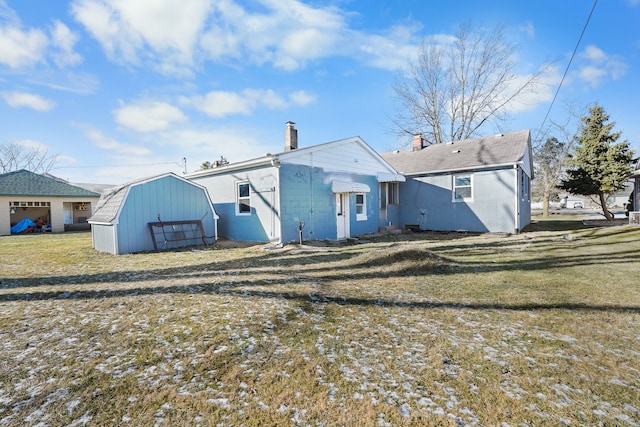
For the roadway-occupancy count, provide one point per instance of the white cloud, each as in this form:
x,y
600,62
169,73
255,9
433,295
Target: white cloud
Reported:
x,y
63,39
20,48
220,104
223,103
104,142
31,144
598,66
148,116
208,144
29,100
386,53
177,37
25,47
542,92
302,97
163,32
68,81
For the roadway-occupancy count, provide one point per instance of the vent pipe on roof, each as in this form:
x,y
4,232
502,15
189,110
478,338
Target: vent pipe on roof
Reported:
x,y
418,142
290,137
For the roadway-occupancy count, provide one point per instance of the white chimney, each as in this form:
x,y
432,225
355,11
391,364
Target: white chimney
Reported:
x,y
290,137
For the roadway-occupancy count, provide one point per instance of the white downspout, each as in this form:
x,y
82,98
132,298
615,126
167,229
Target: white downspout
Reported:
x,y
516,211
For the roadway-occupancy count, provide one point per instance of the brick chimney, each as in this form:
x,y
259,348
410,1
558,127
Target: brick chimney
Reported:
x,y
418,142
290,137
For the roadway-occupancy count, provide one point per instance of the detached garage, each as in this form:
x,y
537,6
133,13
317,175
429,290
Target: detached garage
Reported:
x,y
157,213
31,202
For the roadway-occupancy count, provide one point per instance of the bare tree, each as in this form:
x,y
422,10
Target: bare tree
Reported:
x,y
551,152
15,156
457,86
550,161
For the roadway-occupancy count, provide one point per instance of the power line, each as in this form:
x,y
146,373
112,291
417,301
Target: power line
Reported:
x,y
117,166
575,50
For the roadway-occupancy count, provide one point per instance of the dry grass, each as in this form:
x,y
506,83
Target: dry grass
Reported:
x,y
540,328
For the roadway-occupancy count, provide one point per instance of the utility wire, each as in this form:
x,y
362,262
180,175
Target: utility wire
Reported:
x,y
117,166
575,50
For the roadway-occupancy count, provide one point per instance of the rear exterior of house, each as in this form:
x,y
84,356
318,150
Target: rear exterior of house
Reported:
x,y
181,211
60,205
328,191
477,185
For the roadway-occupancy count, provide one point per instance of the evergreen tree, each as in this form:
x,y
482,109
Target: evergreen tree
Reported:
x,y
600,164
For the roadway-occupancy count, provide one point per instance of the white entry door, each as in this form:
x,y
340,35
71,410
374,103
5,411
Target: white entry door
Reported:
x,y
342,215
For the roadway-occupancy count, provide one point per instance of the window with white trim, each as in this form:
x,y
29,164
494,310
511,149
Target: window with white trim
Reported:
x,y
462,187
361,207
243,198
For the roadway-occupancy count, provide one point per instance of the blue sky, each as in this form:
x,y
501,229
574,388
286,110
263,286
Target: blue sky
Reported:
x,y
123,89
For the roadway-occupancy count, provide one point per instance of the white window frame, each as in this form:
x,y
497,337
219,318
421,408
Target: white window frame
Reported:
x,y
455,187
362,215
243,199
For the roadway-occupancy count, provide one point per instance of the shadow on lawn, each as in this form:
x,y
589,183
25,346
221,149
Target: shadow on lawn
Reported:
x,y
358,263
306,298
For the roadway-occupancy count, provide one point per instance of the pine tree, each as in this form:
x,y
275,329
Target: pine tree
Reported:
x,y
600,165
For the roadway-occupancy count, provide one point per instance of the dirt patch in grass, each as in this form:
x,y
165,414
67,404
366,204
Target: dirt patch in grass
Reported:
x,y
416,329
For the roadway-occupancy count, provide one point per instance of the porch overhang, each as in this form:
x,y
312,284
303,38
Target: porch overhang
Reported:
x,y
349,187
390,177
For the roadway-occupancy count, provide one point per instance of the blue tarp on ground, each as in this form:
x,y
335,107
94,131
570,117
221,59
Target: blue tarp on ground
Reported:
x,y
22,225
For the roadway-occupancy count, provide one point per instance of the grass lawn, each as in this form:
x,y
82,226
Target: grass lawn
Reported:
x,y
540,328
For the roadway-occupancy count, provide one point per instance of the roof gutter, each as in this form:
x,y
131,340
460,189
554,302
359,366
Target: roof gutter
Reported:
x,y
455,170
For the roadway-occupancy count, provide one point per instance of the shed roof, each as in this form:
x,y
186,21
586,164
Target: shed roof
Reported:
x,y
111,200
477,153
26,183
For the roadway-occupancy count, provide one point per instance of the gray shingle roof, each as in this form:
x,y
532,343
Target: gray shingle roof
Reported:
x,y
109,204
26,183
492,151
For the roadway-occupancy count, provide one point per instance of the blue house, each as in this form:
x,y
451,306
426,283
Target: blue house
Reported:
x,y
161,212
478,185
331,191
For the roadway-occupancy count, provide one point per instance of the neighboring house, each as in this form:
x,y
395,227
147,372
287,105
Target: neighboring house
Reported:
x,y
633,204
24,194
161,212
478,185
329,191
620,198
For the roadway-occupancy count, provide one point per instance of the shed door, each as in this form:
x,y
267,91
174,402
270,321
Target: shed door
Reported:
x,y
342,215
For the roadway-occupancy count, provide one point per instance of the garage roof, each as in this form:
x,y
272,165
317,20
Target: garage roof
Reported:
x,y
26,183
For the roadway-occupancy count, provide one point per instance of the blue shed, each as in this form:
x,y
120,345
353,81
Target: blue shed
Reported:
x,y
157,213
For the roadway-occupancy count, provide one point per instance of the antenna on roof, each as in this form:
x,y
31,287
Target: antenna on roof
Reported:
x,y
184,165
